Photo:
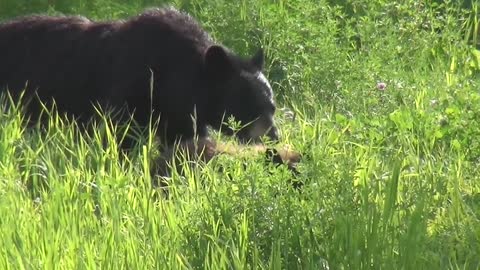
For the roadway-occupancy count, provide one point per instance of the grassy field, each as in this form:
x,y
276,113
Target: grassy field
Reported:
x,y
386,105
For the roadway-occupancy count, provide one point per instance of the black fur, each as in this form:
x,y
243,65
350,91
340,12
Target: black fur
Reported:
x,y
78,62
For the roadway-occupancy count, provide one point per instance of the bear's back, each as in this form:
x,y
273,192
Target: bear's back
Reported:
x,y
78,61
50,52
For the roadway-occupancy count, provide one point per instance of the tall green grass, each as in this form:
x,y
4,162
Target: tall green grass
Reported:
x,y
391,176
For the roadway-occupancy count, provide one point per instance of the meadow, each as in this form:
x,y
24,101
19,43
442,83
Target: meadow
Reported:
x,y
381,97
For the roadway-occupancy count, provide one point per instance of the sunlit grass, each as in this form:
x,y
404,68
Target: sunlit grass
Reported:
x,y
391,173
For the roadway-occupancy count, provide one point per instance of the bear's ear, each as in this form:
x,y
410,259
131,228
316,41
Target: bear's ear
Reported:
x,y
258,59
217,61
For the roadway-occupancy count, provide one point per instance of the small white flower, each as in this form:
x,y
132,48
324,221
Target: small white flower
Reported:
x,y
288,114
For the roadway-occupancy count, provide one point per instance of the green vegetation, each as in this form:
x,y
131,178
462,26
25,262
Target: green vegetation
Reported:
x,y
392,176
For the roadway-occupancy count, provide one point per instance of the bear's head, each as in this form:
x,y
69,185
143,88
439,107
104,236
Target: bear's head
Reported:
x,y
238,88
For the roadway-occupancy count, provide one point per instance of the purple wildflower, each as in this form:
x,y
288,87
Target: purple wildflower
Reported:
x,y
381,86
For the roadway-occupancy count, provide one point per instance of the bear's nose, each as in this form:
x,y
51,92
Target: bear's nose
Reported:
x,y
273,134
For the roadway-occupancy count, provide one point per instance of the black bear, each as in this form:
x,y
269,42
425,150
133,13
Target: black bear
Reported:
x,y
159,63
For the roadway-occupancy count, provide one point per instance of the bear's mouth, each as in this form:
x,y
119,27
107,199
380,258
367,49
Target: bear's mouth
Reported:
x,y
255,133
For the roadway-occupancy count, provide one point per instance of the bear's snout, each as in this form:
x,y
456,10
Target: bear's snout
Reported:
x,y
263,126
273,134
